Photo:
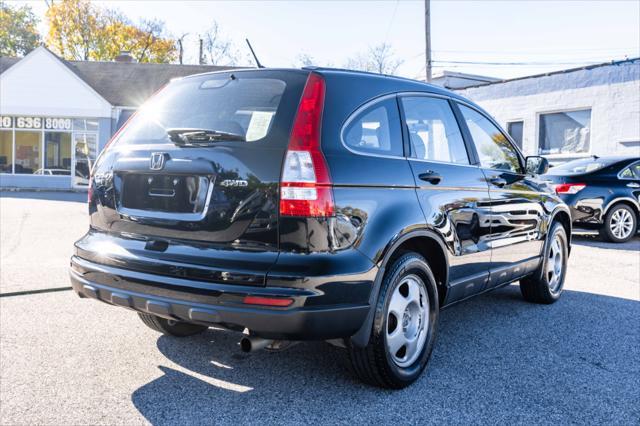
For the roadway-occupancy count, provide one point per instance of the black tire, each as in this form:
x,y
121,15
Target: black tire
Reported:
x,y
542,286
171,327
607,231
374,364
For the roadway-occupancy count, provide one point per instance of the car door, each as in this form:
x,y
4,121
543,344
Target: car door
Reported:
x,y
517,201
452,191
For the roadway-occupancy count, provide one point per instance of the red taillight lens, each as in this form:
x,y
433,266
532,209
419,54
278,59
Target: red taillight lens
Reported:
x,y
305,188
569,188
267,301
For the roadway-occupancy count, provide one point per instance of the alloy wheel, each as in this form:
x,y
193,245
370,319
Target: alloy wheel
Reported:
x,y
621,223
555,263
407,321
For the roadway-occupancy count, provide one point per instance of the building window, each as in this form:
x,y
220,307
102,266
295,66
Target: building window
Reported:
x,y
565,132
6,151
50,146
516,130
28,149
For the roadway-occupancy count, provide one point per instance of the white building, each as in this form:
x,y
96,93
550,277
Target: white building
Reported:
x,y
459,80
593,110
56,115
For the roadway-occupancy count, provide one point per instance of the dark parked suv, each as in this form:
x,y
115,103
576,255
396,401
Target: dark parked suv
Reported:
x,y
316,204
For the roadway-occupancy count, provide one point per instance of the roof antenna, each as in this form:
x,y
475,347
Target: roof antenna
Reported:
x,y
254,54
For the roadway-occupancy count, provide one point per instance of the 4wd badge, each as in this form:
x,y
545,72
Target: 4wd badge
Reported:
x,y
234,182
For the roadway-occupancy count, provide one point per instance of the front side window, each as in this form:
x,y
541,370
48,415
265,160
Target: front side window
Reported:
x,y
493,147
376,130
565,132
433,131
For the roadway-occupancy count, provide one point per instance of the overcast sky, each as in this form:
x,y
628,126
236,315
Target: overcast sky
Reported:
x,y
547,35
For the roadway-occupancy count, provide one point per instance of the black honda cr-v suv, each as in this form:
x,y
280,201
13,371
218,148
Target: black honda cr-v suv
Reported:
x,y
316,204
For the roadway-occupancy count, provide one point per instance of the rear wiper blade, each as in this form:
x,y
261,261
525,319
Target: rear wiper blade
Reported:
x,y
202,136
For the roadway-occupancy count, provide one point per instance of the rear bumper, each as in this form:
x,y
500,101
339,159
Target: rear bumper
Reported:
x,y
216,304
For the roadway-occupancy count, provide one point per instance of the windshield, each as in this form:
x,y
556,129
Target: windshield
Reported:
x,y
226,104
579,167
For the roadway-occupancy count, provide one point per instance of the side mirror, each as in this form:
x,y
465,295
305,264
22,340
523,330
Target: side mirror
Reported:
x,y
537,165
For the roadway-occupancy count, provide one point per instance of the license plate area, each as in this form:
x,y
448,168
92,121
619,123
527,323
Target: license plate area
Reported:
x,y
174,197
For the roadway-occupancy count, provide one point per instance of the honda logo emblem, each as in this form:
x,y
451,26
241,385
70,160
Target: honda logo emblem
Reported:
x,y
157,161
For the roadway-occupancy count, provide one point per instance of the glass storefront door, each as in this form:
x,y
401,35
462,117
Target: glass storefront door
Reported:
x,y
86,150
57,153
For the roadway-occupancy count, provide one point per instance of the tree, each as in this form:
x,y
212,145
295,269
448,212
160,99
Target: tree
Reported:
x,y
304,60
146,42
80,30
75,28
380,59
219,50
18,30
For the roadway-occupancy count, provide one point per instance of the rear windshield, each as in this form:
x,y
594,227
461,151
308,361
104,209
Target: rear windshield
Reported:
x,y
579,167
221,103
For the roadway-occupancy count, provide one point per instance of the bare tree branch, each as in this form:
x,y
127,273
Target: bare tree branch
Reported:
x,y
379,59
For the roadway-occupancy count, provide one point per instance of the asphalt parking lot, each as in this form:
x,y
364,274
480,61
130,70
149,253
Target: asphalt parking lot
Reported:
x,y
64,360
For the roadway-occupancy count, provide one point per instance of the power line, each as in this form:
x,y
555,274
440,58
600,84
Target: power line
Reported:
x,y
516,63
393,16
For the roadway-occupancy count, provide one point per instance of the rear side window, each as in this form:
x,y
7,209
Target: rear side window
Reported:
x,y
235,105
433,131
493,147
631,172
375,130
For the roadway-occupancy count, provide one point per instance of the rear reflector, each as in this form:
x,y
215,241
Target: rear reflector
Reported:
x,y
305,189
569,188
267,301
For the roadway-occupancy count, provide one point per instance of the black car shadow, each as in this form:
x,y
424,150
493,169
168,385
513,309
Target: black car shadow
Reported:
x,y
497,357
78,197
595,241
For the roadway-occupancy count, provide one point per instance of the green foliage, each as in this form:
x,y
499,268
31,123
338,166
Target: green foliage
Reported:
x,y
18,30
80,30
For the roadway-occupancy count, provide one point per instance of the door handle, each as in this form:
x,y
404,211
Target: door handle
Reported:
x,y
498,181
431,177
633,185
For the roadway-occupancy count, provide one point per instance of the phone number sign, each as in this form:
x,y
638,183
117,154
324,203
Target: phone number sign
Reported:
x,y
48,123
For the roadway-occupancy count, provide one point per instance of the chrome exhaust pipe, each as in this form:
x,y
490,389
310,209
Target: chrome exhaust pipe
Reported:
x,y
253,343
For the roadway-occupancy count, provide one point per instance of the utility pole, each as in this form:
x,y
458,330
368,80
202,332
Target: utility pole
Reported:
x,y
201,54
180,51
427,35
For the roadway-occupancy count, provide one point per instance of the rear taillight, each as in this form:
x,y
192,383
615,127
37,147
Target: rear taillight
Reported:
x,y
305,186
569,188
